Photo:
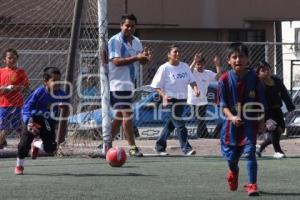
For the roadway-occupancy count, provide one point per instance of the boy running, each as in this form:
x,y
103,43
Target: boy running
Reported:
x,y
239,92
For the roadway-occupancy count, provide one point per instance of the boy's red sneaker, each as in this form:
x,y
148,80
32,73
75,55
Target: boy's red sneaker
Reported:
x,y
34,152
19,170
252,189
232,180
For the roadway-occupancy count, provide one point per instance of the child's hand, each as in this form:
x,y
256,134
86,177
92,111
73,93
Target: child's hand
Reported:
x,y
145,56
197,93
197,57
165,100
271,125
237,121
33,127
217,61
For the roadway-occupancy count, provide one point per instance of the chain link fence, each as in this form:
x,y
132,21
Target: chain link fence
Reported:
x,y
34,58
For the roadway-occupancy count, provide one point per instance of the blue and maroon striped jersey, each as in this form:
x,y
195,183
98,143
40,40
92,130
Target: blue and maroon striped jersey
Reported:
x,y
248,92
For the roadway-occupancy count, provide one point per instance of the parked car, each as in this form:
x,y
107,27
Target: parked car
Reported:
x,y
148,112
292,119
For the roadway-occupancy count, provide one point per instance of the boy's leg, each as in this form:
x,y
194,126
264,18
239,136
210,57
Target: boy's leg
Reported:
x,y
232,154
25,143
23,150
128,127
108,138
128,130
251,166
116,124
48,137
3,142
17,123
5,121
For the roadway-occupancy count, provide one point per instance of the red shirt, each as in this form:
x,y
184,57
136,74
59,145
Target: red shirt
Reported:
x,y
14,77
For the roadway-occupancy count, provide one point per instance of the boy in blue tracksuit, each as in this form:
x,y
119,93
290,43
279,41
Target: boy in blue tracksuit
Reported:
x,y
39,115
239,89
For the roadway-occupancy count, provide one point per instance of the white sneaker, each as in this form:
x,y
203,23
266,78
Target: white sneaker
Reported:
x,y
278,155
258,147
191,152
258,153
162,153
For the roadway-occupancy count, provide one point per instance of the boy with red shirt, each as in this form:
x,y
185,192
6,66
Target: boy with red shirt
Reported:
x,y
13,81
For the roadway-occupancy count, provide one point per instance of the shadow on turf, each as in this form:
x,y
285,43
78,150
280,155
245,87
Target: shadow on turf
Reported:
x,y
279,193
85,174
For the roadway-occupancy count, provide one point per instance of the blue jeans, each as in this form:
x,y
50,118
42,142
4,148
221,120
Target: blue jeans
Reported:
x,y
171,124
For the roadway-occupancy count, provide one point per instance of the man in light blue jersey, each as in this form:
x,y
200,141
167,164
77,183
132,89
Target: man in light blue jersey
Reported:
x,y
125,55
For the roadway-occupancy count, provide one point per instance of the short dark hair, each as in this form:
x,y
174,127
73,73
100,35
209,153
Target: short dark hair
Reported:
x,y
11,50
129,17
201,58
173,46
237,47
262,64
49,72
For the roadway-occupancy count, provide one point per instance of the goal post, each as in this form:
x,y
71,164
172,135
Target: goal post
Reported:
x,y
71,64
103,64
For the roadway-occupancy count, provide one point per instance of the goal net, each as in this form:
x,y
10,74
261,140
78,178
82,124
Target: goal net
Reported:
x,y
41,31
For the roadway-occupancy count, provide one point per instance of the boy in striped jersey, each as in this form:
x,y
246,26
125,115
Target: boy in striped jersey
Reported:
x,y
240,93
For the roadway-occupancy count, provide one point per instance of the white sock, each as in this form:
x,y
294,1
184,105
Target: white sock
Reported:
x,y
20,162
39,144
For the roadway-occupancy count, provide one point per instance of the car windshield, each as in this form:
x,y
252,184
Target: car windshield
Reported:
x,y
297,120
296,97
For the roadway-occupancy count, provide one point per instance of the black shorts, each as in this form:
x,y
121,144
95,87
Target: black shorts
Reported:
x,y
120,100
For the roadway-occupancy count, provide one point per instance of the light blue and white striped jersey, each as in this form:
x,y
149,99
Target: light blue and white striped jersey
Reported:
x,y
122,78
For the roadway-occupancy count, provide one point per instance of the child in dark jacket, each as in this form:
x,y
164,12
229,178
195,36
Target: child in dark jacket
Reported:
x,y
275,93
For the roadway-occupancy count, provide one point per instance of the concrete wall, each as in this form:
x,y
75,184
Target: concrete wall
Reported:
x,y
160,19
205,14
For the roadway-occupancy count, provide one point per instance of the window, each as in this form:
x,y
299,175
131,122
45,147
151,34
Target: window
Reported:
x,y
247,35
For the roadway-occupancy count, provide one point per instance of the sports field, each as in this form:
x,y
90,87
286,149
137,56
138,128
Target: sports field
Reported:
x,y
150,177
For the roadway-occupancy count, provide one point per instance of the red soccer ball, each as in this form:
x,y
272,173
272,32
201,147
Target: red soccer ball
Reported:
x,y
116,156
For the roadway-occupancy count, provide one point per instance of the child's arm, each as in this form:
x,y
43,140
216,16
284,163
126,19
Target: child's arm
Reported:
x,y
22,84
163,95
236,120
285,95
195,60
195,89
217,63
222,99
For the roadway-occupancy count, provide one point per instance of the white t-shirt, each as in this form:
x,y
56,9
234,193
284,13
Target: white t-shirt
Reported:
x,y
122,78
173,79
202,79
